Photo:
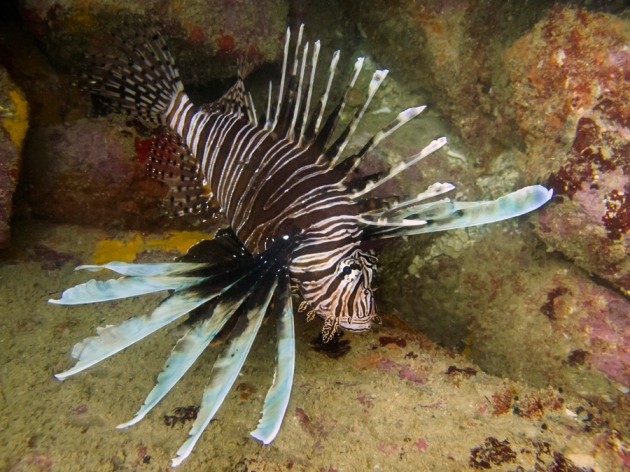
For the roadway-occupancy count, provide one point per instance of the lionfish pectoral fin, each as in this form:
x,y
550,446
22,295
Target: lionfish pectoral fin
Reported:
x,y
113,339
195,283
172,162
194,342
230,362
95,291
138,76
277,398
145,270
446,215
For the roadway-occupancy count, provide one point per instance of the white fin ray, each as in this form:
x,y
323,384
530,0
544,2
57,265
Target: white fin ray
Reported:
x,y
412,206
186,352
375,83
430,149
291,134
282,80
466,214
145,270
229,364
268,118
113,339
316,48
95,291
324,99
402,118
277,398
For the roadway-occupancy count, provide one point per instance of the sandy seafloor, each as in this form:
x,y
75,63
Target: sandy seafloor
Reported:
x,y
387,404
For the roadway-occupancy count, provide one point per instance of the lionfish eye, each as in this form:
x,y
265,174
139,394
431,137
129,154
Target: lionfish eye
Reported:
x,y
346,270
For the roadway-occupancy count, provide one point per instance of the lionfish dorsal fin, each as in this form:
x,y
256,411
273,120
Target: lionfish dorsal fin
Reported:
x,y
333,153
236,101
172,162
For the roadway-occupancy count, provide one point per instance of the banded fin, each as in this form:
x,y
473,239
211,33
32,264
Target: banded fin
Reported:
x,y
277,398
172,162
140,77
333,153
347,166
446,215
403,209
230,362
428,150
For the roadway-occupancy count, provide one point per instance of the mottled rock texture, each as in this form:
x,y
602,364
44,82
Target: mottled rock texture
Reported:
x,y
559,86
454,50
513,309
571,92
13,126
209,33
93,172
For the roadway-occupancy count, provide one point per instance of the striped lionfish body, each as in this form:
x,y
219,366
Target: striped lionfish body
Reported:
x,y
298,214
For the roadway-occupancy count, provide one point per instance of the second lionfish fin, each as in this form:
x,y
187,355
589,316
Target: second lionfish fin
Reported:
x,y
194,342
230,362
445,215
277,398
172,162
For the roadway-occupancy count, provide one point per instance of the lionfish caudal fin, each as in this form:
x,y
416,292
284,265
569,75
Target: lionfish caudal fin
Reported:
x,y
218,280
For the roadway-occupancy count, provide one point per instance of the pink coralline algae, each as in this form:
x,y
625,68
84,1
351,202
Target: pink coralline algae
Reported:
x,y
571,89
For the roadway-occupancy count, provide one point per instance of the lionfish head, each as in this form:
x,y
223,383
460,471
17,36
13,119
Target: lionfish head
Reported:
x,y
345,297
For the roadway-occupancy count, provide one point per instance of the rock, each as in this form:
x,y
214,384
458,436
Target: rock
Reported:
x,y
571,94
93,172
569,79
13,126
211,33
530,317
453,49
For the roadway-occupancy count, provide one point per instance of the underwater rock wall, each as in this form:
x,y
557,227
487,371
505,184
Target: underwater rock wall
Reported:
x,y
212,33
549,306
13,126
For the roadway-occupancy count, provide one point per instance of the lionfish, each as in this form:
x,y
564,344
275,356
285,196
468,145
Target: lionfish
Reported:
x,y
298,212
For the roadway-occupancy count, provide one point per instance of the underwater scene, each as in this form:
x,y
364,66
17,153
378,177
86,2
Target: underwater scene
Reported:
x,y
293,235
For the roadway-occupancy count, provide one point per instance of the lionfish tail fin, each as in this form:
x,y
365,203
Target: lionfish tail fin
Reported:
x,y
409,218
139,77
